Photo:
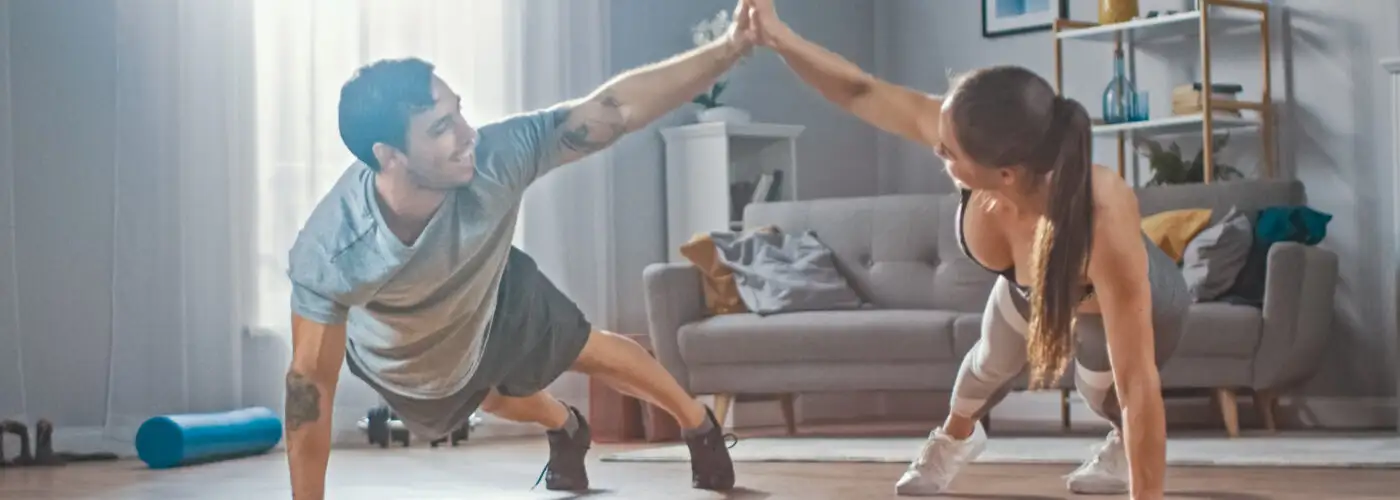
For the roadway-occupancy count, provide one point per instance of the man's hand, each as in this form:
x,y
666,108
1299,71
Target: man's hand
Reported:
x,y
634,99
743,31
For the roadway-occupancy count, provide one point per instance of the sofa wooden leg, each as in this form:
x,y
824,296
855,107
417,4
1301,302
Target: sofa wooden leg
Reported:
x,y
722,404
789,404
1266,402
1229,411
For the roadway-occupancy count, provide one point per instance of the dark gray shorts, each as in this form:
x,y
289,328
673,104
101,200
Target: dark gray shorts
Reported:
x,y
535,336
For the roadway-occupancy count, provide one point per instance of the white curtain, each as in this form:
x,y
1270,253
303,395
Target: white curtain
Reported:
x,y
13,402
567,218
180,243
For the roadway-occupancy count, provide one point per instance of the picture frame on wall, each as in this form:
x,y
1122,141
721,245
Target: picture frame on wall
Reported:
x,y
1014,17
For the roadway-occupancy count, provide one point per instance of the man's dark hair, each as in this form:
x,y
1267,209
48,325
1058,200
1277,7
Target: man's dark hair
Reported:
x,y
376,103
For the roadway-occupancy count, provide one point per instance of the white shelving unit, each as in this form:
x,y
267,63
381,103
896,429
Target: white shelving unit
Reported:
x,y
1212,17
1174,125
703,163
1167,28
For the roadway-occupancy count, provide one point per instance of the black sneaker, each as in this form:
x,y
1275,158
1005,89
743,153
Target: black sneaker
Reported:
x,y
710,465
565,471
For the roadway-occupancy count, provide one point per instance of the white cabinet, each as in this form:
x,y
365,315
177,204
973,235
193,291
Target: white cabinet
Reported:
x,y
713,170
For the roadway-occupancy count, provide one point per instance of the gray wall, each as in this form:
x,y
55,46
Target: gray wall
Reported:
x,y
1335,135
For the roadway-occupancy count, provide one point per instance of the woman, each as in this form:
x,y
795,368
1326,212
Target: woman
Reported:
x,y
1034,210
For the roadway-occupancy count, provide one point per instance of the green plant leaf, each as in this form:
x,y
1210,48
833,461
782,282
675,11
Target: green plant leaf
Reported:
x,y
1225,172
1219,142
1152,148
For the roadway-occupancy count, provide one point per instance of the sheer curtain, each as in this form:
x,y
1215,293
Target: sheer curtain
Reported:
x,y
567,218
180,240
13,402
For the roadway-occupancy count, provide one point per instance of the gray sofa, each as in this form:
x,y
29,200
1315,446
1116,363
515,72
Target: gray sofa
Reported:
x,y
900,253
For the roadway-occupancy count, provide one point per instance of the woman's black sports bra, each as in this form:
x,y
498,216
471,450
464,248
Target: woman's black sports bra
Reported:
x,y
1008,273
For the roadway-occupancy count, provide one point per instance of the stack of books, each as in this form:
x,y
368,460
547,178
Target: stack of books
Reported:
x,y
1186,99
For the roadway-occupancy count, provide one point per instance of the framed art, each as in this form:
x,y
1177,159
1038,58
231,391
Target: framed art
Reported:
x,y
1014,17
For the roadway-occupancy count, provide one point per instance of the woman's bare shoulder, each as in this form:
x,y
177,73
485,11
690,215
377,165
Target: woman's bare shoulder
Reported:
x,y
1112,192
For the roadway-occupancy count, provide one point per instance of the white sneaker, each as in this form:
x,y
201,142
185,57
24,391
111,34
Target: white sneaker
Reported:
x,y
1106,473
939,461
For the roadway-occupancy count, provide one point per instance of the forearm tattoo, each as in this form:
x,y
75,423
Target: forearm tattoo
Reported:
x,y
593,125
303,401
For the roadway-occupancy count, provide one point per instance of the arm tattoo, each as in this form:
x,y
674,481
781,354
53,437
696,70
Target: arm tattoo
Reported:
x,y
593,125
303,401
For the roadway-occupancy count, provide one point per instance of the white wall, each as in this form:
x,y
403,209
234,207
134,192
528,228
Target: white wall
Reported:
x,y
1337,139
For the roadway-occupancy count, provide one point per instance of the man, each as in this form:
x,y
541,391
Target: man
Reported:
x,y
406,272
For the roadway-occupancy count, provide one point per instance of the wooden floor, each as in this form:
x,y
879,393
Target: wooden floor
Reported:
x,y
506,469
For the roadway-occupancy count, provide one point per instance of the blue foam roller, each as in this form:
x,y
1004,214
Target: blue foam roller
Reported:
x,y
175,440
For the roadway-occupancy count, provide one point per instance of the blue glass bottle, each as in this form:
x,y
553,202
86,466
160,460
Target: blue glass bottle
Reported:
x,y
1118,96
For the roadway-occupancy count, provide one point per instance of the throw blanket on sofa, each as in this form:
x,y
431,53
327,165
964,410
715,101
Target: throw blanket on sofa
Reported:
x,y
779,272
1295,223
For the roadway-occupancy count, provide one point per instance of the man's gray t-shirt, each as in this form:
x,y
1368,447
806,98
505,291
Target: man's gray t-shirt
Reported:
x,y
417,316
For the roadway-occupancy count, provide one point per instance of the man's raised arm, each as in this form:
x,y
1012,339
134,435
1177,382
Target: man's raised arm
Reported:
x,y
631,100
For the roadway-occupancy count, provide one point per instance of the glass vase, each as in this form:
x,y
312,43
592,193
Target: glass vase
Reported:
x,y
1118,96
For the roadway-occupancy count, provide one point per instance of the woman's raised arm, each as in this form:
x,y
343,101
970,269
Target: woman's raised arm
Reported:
x,y
900,110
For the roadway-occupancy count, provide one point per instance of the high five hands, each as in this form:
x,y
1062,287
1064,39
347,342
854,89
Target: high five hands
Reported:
x,y
756,23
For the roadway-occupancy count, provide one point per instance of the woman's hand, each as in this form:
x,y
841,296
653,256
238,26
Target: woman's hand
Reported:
x,y
1118,270
908,113
770,31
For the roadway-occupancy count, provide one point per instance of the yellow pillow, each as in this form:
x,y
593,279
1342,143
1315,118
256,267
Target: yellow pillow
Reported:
x,y
1173,230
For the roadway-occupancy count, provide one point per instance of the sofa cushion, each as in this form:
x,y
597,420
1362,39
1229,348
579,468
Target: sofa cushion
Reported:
x,y
785,272
897,251
1220,329
816,336
1174,229
721,292
1215,256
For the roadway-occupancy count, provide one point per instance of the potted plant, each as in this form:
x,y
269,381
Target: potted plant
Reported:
x,y
1170,167
712,109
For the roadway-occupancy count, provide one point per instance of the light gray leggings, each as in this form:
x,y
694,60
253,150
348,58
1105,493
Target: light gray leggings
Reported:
x,y
999,356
